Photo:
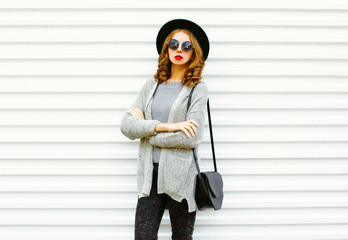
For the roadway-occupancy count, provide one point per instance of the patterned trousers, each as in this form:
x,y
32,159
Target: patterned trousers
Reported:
x,y
150,210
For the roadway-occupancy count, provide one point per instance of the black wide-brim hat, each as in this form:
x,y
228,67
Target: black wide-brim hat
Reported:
x,y
199,33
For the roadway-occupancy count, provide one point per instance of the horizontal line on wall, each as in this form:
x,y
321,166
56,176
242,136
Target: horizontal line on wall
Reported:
x,y
152,59
133,190
208,141
171,9
340,76
166,233
205,125
140,41
333,203
217,107
230,191
125,206
159,25
228,233
80,92
11,172
131,157
221,222
153,42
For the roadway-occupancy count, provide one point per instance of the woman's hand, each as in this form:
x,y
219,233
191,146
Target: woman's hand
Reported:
x,y
189,125
136,112
186,127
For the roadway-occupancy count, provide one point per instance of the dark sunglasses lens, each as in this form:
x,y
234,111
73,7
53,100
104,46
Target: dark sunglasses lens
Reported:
x,y
173,44
187,46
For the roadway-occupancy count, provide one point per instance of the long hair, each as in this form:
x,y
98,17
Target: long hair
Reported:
x,y
193,73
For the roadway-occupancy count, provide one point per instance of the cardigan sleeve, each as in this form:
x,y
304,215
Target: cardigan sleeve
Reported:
x,y
195,112
133,127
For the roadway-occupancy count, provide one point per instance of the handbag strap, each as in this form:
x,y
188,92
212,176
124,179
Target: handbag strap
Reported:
x,y
211,135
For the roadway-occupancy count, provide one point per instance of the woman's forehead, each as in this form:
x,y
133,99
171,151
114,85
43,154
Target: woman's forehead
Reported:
x,y
181,36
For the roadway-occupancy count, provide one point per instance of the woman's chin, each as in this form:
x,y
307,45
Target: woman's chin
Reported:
x,y
178,62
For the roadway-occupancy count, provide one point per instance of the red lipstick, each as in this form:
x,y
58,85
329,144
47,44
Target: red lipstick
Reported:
x,y
178,57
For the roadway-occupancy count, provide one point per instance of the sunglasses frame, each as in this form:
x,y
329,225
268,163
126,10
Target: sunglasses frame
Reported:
x,y
179,45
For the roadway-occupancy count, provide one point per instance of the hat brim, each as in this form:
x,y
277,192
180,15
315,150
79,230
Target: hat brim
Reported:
x,y
199,33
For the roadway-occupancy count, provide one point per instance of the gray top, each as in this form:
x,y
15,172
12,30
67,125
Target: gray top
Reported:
x,y
177,170
162,102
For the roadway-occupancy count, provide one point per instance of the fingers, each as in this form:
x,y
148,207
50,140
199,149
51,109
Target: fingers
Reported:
x,y
141,114
193,121
186,133
190,126
136,112
194,128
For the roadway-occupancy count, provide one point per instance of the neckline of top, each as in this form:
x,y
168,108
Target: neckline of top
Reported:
x,y
172,83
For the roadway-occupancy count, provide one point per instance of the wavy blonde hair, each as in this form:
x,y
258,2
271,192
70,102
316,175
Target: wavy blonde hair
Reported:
x,y
193,73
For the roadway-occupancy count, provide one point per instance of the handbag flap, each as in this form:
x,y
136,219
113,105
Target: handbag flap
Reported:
x,y
214,181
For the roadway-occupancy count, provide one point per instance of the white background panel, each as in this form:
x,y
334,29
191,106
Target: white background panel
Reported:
x,y
277,76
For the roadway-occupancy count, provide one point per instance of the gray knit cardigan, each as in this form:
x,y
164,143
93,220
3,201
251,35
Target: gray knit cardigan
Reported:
x,y
177,170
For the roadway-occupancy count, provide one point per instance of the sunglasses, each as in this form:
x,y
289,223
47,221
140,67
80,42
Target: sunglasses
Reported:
x,y
174,44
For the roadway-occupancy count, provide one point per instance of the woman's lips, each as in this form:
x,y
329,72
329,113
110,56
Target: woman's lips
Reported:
x,y
178,57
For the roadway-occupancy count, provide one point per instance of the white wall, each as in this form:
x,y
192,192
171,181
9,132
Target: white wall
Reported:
x,y
277,75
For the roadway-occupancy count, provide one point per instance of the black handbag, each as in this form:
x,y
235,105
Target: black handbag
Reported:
x,y
209,185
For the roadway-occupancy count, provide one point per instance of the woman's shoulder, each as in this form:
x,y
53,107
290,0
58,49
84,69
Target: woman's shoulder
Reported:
x,y
151,81
201,88
148,84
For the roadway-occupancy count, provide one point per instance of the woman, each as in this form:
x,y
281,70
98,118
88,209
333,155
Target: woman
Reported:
x,y
166,166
